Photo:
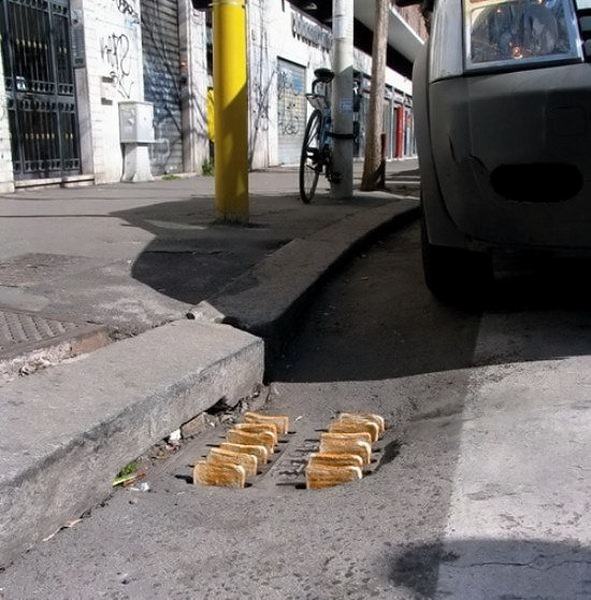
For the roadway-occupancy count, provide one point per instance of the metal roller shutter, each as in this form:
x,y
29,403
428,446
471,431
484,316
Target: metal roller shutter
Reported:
x,y
363,112
386,128
162,82
291,109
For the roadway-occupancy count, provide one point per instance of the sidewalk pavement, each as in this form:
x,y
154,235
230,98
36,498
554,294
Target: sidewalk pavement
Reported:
x,y
136,258
133,257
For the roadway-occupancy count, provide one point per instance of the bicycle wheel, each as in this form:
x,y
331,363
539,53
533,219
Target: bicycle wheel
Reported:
x,y
310,161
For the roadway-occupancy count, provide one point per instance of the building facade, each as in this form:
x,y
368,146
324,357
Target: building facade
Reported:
x,y
67,64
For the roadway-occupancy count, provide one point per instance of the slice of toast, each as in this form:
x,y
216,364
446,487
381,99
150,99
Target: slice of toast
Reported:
x,y
318,478
352,424
330,459
347,443
222,475
258,428
259,451
248,462
377,419
282,422
264,438
360,436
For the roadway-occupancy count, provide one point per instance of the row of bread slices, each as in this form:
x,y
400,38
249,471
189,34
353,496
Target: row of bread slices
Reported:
x,y
345,450
247,448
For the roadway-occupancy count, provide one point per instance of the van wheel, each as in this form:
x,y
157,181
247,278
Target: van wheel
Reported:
x,y
455,275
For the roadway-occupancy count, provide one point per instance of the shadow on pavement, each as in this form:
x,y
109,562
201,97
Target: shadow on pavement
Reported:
x,y
386,324
494,569
537,284
378,321
193,256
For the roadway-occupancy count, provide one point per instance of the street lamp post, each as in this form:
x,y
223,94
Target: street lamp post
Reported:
x,y
342,98
231,110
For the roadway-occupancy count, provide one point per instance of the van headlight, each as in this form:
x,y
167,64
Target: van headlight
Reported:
x,y
502,35
519,33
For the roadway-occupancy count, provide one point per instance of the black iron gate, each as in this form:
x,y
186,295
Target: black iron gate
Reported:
x,y
40,90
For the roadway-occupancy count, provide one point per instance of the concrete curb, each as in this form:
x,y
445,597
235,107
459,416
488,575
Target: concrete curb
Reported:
x,y
67,431
267,300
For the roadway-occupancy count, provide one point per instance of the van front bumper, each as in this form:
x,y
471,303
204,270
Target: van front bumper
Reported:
x,y
512,155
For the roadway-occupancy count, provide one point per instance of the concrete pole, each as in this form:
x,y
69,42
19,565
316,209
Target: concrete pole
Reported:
x,y
342,97
231,110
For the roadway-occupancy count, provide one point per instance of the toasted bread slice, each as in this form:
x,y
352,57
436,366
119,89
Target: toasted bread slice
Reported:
x,y
347,443
377,419
318,478
355,425
282,422
259,451
330,459
360,436
258,428
264,438
249,462
222,475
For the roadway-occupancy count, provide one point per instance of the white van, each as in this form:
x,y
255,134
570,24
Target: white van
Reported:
x,y
502,95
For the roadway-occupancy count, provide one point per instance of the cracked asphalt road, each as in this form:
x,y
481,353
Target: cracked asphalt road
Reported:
x,y
482,493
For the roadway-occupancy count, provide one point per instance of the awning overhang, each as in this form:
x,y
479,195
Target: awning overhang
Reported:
x,y
401,35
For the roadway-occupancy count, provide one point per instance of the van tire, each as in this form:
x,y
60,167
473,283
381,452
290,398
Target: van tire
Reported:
x,y
455,275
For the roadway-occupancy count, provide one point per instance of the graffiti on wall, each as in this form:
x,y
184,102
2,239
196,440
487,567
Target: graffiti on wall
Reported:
x,y
125,7
262,80
260,94
2,116
116,54
290,99
163,83
310,32
118,45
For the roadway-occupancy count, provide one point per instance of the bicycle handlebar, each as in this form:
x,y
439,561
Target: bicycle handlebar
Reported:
x,y
326,87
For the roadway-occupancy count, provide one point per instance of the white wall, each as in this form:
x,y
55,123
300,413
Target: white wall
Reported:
x,y
193,40
363,62
113,73
6,173
271,37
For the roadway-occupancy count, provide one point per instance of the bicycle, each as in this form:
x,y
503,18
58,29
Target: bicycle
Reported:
x,y
316,154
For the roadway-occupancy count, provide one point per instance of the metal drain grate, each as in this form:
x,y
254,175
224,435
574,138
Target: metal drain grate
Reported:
x,y
22,331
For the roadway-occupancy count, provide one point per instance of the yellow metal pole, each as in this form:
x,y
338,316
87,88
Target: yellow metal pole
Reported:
x,y
231,110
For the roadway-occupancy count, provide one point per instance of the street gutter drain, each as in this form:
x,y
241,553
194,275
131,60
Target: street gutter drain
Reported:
x,y
345,453
248,449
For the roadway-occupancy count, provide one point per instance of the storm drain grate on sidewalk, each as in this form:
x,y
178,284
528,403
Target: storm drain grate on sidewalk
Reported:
x,y
22,331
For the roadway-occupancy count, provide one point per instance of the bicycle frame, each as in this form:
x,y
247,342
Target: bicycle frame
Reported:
x,y
316,157
321,102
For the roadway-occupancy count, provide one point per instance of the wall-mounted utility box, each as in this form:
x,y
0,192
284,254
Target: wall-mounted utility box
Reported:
x,y
136,122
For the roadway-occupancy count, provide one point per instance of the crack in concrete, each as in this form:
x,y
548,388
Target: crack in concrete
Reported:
x,y
528,565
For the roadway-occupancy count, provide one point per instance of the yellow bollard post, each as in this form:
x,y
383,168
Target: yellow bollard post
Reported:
x,y
231,110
